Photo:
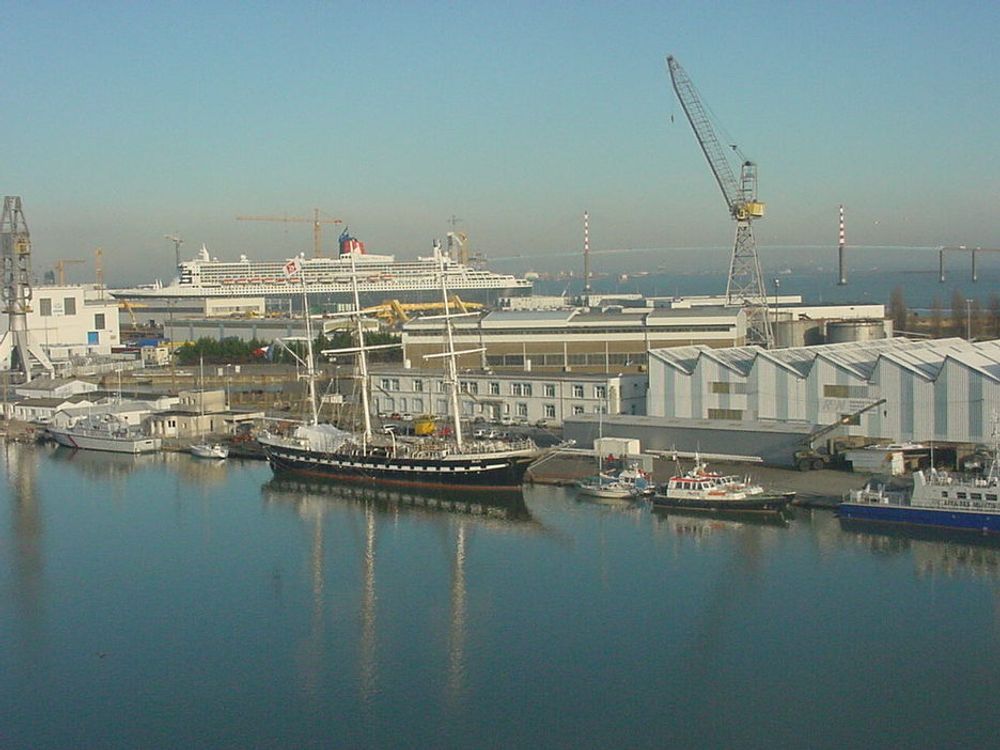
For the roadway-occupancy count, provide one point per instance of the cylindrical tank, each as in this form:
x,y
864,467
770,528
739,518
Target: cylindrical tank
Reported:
x,y
789,333
843,331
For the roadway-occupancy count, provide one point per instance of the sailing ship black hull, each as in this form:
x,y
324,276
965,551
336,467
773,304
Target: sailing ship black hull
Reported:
x,y
498,473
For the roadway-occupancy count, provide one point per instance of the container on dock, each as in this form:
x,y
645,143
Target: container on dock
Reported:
x,y
875,460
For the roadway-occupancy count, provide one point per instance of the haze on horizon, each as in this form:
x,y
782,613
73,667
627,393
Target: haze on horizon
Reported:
x,y
123,123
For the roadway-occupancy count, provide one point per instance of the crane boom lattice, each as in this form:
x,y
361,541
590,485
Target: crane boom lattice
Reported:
x,y
745,286
316,221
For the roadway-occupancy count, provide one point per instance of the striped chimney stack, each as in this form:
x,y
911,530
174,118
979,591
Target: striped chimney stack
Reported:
x,y
586,252
842,281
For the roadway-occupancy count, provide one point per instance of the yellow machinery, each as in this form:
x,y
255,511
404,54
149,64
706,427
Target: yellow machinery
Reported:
x,y
424,425
394,312
130,308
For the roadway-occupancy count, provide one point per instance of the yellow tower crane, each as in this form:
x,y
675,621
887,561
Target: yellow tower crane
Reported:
x,y
60,268
316,221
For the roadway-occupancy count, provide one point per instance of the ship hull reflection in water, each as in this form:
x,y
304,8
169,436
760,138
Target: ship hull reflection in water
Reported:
x,y
701,523
934,550
505,505
313,498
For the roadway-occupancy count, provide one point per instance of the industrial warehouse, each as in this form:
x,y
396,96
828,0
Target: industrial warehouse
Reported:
x,y
770,404
945,390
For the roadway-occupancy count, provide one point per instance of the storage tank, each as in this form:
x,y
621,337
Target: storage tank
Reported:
x,y
843,331
788,333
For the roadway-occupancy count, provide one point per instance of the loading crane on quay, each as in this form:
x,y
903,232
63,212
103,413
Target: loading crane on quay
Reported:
x,y
745,287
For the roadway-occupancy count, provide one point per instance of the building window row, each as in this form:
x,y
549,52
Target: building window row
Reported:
x,y
724,386
520,389
45,306
556,359
728,414
845,391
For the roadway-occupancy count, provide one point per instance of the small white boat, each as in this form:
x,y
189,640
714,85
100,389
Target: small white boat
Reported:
x,y
605,488
640,481
209,450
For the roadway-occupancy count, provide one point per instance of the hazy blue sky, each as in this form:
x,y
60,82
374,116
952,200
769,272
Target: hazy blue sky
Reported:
x,y
124,121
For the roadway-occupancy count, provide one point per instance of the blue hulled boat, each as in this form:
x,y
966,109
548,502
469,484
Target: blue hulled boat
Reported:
x,y
938,498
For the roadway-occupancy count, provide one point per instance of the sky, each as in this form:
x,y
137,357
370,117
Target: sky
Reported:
x,y
123,122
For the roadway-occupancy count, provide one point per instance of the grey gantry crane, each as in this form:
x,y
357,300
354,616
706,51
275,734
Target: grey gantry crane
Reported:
x,y
745,287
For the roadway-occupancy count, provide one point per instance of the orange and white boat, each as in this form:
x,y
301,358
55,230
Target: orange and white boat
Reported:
x,y
701,489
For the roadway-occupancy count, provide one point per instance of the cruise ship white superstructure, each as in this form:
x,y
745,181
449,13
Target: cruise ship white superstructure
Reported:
x,y
380,278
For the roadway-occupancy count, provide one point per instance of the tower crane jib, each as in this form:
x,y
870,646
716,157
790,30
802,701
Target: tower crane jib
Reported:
x,y
745,286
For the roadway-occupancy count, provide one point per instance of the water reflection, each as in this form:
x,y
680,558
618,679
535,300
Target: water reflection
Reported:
x,y
369,598
102,465
26,552
701,526
457,621
313,498
503,506
934,551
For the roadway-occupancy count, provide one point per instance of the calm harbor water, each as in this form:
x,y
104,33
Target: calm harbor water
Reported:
x,y
161,601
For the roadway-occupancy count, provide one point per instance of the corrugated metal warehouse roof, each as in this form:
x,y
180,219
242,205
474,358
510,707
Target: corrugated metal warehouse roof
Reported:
x,y
924,357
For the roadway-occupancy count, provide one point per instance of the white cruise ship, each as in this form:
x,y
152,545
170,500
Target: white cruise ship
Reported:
x,y
380,278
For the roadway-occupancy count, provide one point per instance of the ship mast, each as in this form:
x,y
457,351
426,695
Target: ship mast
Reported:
x,y
449,340
361,349
362,356
993,475
310,364
452,365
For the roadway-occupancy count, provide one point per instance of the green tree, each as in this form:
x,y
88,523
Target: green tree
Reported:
x,y
958,311
978,324
230,350
897,309
937,319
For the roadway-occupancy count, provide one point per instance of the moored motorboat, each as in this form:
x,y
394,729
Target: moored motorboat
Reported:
x,y
704,490
938,498
105,432
641,482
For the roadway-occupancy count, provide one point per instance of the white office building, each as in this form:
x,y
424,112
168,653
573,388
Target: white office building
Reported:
x,y
521,397
71,321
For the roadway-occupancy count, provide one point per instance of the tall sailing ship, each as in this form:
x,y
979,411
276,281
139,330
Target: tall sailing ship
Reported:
x,y
450,461
332,279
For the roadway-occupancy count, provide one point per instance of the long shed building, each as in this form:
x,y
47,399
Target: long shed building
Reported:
x,y
945,390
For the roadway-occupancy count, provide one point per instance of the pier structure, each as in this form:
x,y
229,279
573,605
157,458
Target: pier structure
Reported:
x,y
963,249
